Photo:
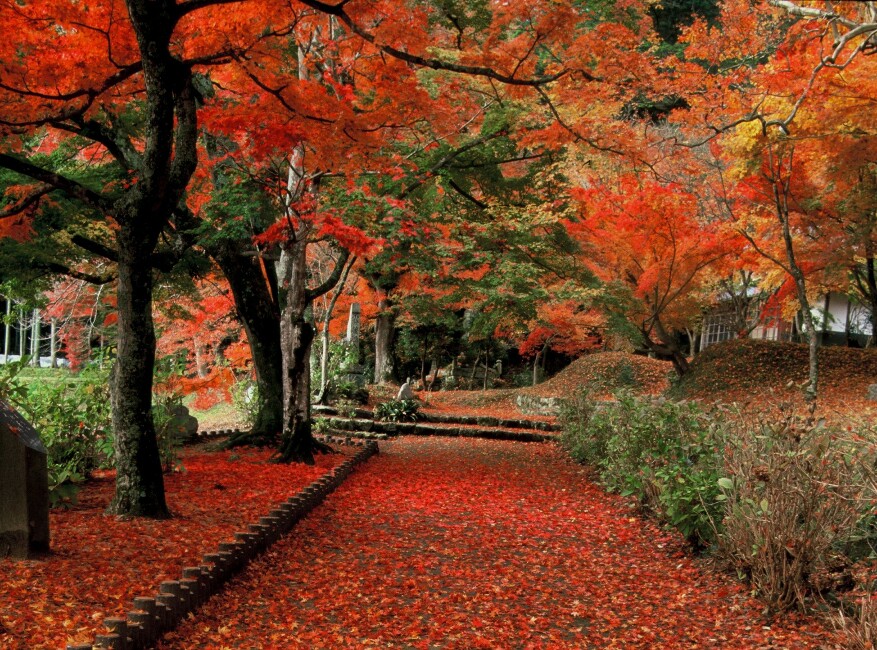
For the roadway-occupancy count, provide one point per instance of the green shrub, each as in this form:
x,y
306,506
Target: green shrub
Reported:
x,y
72,414
164,408
349,391
245,399
665,454
779,499
397,410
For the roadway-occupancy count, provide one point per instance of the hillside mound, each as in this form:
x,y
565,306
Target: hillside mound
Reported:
x,y
747,369
602,372
605,373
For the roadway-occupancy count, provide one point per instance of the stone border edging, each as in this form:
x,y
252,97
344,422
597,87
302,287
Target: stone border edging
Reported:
x,y
153,616
378,430
320,410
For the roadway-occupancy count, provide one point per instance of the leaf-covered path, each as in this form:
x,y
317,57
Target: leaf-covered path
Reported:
x,y
454,543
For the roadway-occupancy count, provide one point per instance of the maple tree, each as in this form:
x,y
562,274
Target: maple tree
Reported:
x,y
647,238
770,89
119,51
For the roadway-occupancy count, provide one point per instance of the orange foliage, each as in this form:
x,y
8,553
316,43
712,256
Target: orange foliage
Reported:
x,y
648,237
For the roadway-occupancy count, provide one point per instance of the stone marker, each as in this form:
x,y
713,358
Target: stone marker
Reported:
x,y
405,391
182,426
352,337
353,372
24,487
872,392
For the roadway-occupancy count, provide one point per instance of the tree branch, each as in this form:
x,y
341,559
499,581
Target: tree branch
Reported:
x,y
94,247
465,194
63,269
67,185
25,202
332,280
339,12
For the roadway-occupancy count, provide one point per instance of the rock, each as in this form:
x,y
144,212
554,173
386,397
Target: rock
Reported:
x,y
24,487
532,405
405,391
182,425
872,392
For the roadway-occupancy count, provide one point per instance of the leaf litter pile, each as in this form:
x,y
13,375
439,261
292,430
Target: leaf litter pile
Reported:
x,y
439,543
601,372
758,375
99,563
756,372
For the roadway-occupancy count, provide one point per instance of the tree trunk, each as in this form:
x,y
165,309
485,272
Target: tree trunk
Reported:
x,y
667,348
324,334
866,283
139,480
35,339
168,160
781,194
384,330
53,343
296,336
23,329
7,338
261,321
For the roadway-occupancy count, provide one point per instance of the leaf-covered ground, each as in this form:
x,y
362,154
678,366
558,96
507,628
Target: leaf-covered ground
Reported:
x,y
758,375
758,372
454,543
603,372
99,563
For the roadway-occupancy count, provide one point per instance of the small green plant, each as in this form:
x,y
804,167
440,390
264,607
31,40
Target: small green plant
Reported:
x,y
320,425
72,413
348,391
64,486
397,410
346,408
665,454
165,407
245,399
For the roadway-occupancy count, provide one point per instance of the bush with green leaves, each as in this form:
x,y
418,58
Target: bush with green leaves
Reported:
x,y
245,399
165,406
666,454
398,410
780,499
72,413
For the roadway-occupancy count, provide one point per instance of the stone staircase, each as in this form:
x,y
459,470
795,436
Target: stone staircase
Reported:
x,y
360,423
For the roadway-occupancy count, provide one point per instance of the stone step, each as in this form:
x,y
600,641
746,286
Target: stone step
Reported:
x,y
443,418
342,435
489,421
480,432
361,427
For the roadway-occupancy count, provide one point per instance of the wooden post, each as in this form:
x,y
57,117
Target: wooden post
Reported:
x,y
7,339
22,328
35,339
53,344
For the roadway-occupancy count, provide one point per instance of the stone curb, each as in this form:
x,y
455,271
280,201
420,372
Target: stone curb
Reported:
x,y
441,418
376,430
153,616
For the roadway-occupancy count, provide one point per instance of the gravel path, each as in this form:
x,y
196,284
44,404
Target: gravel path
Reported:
x,y
457,543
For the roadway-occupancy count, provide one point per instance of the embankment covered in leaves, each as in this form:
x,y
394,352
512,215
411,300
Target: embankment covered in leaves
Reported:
x,y
606,372
742,370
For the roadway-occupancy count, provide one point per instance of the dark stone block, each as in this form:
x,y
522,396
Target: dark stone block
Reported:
x,y
24,487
